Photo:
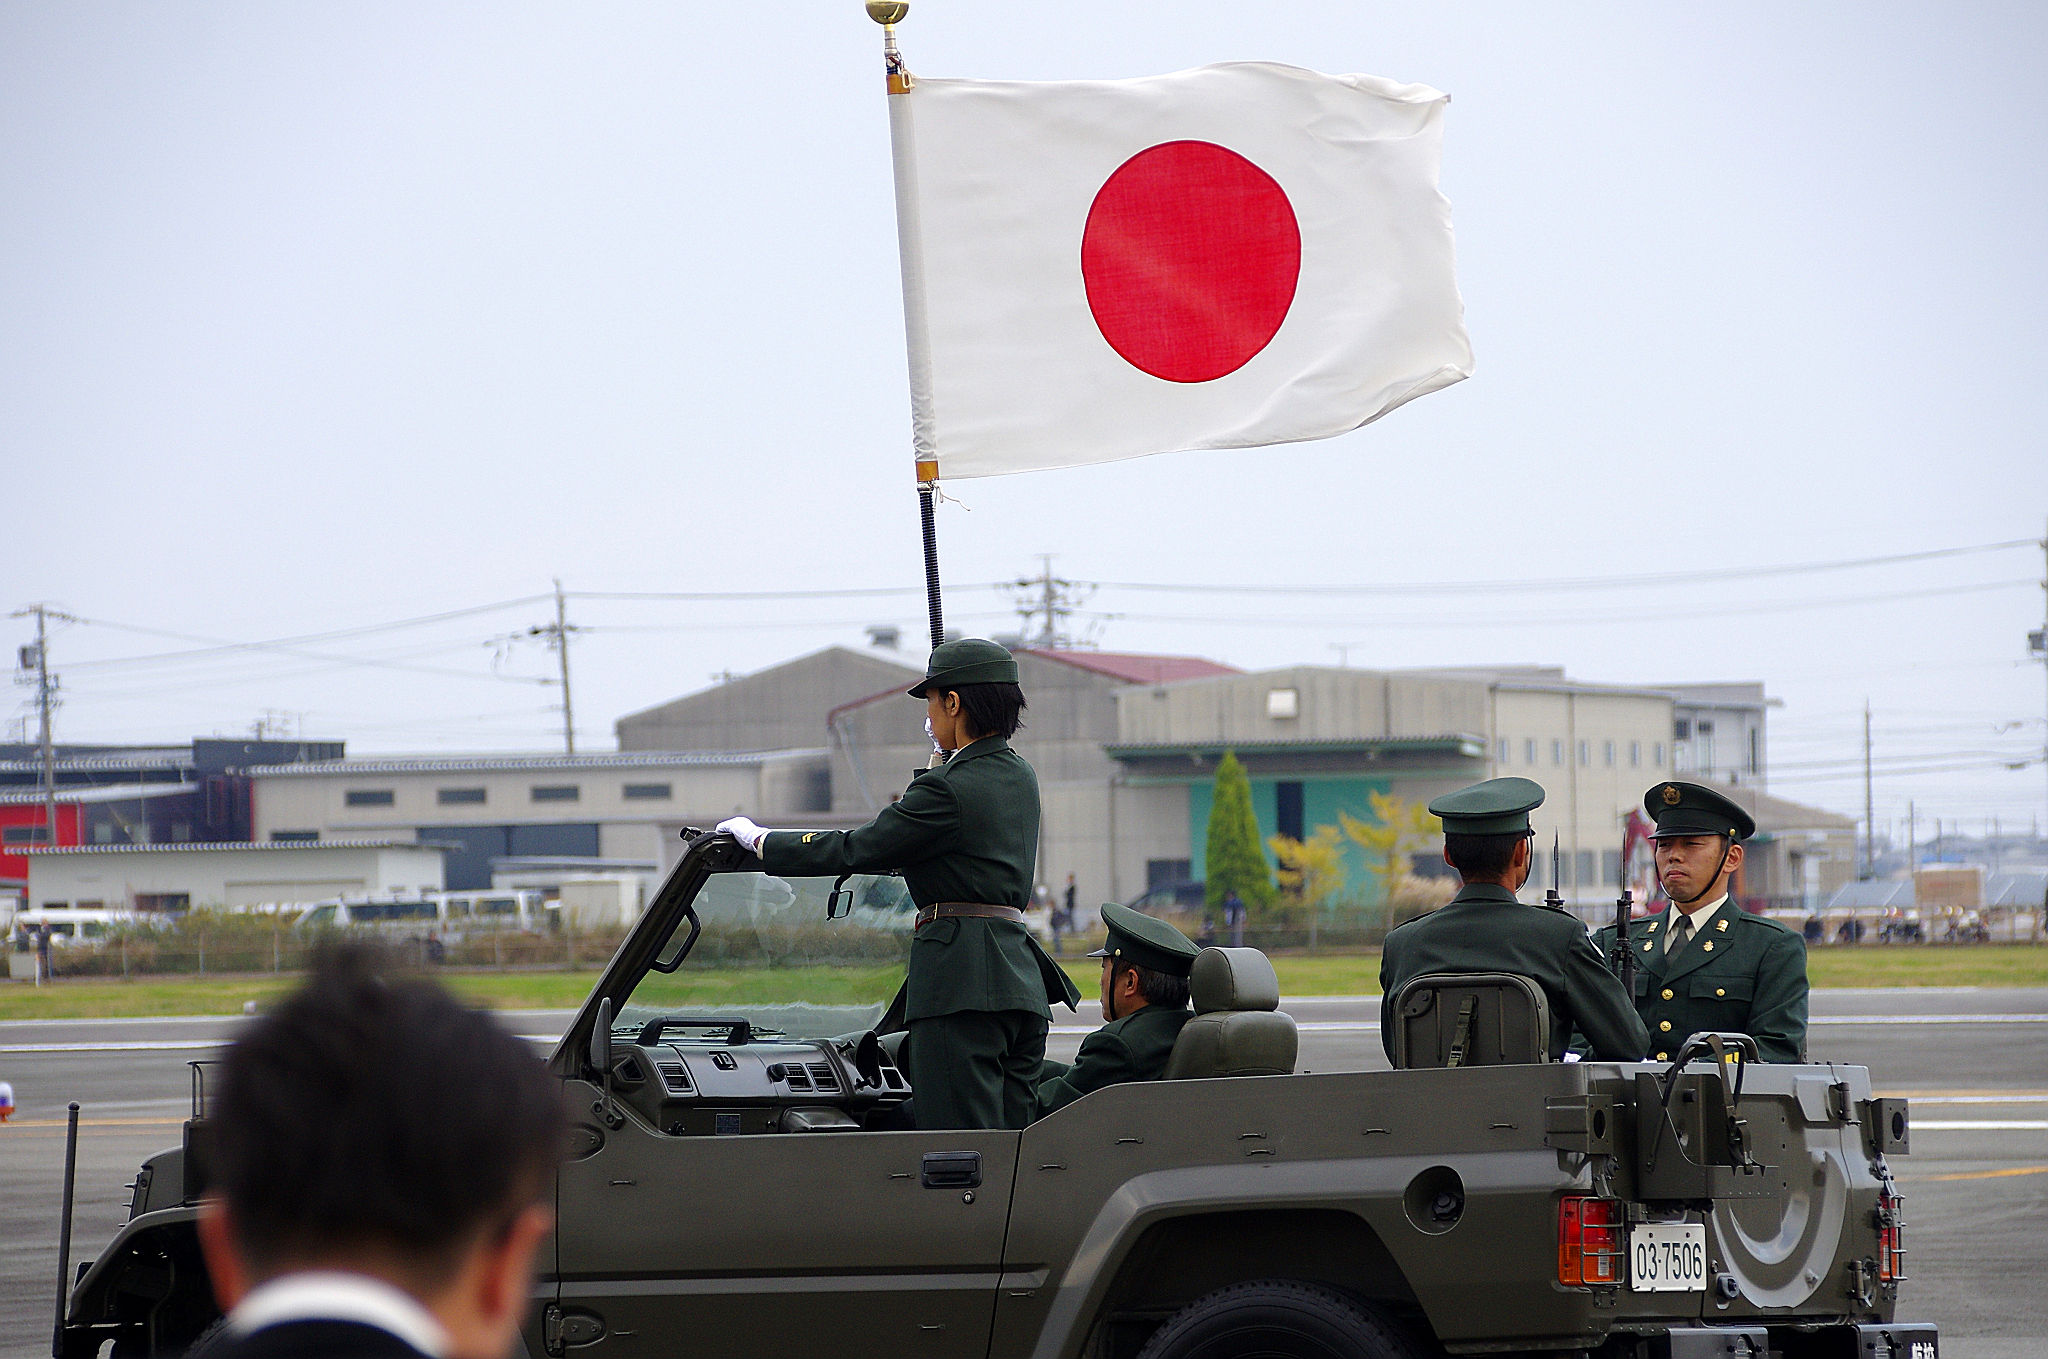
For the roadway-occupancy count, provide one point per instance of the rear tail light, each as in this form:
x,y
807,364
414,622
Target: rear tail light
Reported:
x,y
1589,1241
1890,1217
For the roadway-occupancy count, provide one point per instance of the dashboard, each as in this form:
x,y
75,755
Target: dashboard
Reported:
x,y
693,1077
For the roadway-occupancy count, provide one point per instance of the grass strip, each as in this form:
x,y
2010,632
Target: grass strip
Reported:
x,y
1322,974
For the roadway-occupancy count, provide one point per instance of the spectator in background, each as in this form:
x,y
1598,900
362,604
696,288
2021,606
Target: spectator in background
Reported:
x,y
382,1161
1233,918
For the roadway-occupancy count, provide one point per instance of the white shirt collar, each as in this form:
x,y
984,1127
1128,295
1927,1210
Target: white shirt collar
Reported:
x,y
1698,915
337,1296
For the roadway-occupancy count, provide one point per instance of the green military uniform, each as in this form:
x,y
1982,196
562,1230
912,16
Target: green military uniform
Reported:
x,y
1486,929
1132,1047
1740,973
977,998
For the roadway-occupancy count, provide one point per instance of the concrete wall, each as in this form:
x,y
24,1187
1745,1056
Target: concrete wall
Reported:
x,y
781,708
1329,704
1595,752
230,876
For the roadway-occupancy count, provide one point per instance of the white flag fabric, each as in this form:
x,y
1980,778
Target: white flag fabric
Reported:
x,y
1239,255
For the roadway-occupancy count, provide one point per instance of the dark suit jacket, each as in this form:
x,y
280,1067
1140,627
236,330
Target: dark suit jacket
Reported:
x,y
311,1340
1741,973
1485,929
966,831
1134,1048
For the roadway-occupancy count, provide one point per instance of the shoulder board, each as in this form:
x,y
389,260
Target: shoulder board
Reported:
x,y
1413,918
1745,918
1546,906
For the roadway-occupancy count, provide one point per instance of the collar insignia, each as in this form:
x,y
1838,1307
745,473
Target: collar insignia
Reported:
x,y
1722,927
1708,946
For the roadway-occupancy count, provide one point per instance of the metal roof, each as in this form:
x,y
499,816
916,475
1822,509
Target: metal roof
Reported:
x,y
1136,667
503,764
114,792
257,846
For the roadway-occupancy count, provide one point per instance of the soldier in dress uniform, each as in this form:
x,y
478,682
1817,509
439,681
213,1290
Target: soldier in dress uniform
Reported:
x,y
1145,968
964,835
1703,964
1485,929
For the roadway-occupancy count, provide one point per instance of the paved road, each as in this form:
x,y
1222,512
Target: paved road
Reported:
x,y
1973,1062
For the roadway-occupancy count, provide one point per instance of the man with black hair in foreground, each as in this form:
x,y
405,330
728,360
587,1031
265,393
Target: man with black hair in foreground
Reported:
x,y
1486,929
380,1167
1145,969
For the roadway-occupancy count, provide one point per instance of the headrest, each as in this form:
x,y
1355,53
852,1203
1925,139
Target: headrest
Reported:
x,y
1233,979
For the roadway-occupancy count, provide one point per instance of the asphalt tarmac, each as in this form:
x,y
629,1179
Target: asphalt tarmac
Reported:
x,y
1974,1063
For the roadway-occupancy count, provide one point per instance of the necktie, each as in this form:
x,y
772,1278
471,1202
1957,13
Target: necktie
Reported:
x,y
1681,930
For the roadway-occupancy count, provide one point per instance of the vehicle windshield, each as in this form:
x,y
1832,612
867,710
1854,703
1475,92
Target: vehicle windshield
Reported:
x,y
754,925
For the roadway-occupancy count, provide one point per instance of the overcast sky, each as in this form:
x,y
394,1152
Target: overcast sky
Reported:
x,y
319,318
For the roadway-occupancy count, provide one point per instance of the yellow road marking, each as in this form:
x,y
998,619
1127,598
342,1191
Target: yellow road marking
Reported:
x,y
1984,1174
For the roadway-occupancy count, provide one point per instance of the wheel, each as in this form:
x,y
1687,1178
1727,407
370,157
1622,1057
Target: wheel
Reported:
x,y
1278,1319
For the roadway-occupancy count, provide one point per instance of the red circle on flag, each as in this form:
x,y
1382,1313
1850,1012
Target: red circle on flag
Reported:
x,y
1191,256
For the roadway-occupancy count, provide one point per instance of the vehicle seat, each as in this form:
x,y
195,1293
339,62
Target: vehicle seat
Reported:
x,y
1238,1028
1470,1019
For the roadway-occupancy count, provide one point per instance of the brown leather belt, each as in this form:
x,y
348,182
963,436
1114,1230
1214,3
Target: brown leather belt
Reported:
x,y
982,910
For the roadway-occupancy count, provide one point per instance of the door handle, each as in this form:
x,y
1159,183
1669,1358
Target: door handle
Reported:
x,y
951,1170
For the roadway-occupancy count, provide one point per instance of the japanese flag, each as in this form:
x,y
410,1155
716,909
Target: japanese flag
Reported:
x,y
1233,256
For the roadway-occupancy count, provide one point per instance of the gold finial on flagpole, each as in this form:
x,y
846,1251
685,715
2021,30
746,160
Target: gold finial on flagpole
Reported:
x,y
889,13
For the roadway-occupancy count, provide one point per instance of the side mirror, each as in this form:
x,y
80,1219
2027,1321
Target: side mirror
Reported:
x,y
840,903
601,1040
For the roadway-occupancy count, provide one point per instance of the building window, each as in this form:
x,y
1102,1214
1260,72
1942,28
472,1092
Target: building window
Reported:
x,y
1755,751
25,835
1500,750
1166,873
654,791
103,833
1610,867
369,797
1607,753
1529,751
295,837
1635,754
556,792
1585,752
1657,754
1583,869
170,903
1288,809
1556,751
1681,729
458,797
1283,703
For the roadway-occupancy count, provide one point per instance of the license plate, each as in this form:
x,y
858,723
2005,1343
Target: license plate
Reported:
x,y
1668,1257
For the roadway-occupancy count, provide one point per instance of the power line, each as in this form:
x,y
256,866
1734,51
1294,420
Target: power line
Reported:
x,y
1655,579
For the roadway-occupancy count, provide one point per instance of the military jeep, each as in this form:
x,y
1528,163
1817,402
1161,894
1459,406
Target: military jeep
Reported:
x,y
723,1199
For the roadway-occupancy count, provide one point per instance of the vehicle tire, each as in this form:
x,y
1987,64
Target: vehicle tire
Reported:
x,y
1278,1319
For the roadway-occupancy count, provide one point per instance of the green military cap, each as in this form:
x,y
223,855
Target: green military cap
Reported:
x,y
967,660
1135,937
1495,807
1689,809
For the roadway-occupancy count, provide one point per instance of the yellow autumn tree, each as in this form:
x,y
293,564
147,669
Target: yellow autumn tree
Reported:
x,y
1312,870
1402,827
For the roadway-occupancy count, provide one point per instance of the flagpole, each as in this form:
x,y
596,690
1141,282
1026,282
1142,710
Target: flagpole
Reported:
x,y
916,335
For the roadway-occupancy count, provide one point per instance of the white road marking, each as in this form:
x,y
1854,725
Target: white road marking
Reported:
x,y
1980,1125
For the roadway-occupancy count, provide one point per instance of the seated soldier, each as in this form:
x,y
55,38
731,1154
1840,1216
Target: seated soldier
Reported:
x,y
1145,967
1486,929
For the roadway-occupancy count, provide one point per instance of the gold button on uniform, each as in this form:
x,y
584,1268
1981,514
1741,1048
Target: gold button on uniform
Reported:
x,y
1720,991
1664,1026
1667,993
1663,1056
1708,946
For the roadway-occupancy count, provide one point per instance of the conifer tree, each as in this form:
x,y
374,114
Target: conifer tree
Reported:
x,y
1234,858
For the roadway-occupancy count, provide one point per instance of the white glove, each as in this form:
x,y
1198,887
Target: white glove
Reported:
x,y
745,831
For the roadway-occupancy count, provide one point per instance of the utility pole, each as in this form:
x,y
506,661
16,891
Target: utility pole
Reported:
x,y
1869,817
1044,602
46,699
1912,835
557,634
